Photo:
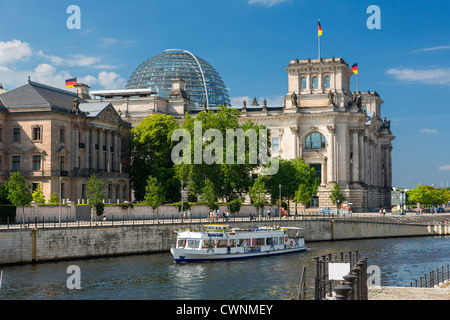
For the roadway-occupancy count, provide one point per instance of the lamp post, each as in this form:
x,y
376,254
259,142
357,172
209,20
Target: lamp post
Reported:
x,y
280,201
60,198
182,197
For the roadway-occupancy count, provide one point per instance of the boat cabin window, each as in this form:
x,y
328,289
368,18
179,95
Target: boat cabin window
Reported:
x,y
222,243
193,244
241,242
232,243
208,244
181,243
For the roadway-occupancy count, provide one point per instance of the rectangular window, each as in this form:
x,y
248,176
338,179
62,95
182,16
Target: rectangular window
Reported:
x,y
276,143
318,169
61,135
83,191
1,163
15,163
37,133
61,163
36,162
1,134
16,134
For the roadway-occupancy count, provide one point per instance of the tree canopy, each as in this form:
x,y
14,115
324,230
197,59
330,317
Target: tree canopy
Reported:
x,y
228,166
298,181
151,148
428,195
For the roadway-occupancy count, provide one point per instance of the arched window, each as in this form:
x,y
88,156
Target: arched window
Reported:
x,y
303,83
315,83
326,82
315,140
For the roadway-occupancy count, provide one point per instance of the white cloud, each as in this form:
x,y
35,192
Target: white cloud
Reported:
x,y
440,76
113,41
43,73
50,71
74,60
445,168
267,3
428,131
110,80
13,51
432,49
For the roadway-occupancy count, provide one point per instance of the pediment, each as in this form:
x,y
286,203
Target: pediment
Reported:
x,y
15,150
313,155
62,150
109,114
35,149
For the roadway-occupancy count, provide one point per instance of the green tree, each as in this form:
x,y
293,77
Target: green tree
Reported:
x,y
304,194
235,205
38,195
19,191
258,194
151,148
428,195
4,194
291,175
209,195
230,174
336,197
54,198
95,193
154,193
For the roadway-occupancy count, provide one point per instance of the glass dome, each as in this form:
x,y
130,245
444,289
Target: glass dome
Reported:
x,y
158,72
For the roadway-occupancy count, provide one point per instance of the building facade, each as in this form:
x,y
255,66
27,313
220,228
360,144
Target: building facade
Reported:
x,y
340,133
58,139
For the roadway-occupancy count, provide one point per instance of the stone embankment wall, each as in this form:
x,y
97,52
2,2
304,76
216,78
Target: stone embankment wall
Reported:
x,y
69,243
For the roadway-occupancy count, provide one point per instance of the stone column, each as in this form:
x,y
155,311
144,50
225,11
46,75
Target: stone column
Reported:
x,y
344,154
101,153
355,160
116,152
108,151
331,154
308,82
75,146
295,131
362,158
87,149
92,155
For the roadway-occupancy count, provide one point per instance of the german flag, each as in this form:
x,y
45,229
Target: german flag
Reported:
x,y
320,29
355,68
70,83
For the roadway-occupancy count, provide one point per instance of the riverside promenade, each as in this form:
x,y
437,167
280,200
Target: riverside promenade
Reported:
x,y
410,293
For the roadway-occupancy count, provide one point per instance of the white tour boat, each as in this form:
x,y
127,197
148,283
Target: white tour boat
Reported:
x,y
220,242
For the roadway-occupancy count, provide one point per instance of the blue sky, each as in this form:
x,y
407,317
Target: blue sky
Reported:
x,y
249,42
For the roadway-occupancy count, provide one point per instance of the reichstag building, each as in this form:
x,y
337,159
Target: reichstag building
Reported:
x,y
340,133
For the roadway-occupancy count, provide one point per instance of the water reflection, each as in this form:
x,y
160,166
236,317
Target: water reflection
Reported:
x,y
156,277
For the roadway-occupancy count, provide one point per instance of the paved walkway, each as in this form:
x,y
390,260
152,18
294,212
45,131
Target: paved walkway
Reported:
x,y
408,293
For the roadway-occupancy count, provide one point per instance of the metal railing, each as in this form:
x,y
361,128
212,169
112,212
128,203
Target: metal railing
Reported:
x,y
433,278
301,295
43,222
354,285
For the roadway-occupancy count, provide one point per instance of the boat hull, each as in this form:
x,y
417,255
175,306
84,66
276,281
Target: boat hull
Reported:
x,y
183,255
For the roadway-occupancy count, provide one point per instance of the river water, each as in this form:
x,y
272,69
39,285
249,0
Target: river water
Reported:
x,y
157,277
